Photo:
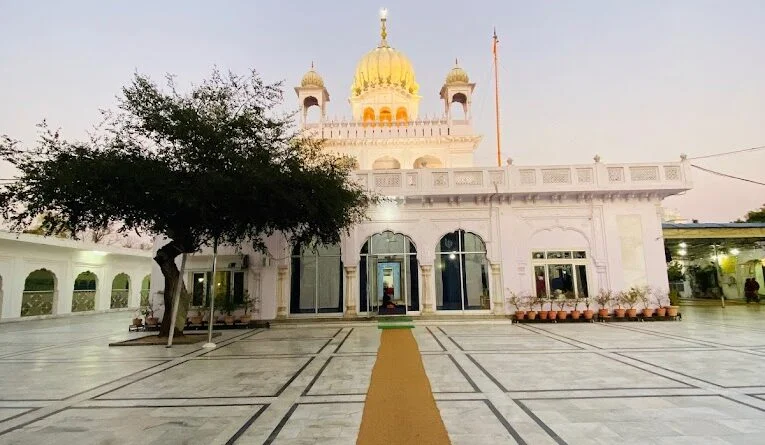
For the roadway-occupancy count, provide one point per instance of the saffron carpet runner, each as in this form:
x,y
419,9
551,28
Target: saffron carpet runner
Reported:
x,y
400,408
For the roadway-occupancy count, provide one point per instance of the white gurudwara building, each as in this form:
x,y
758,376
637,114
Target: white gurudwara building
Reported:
x,y
450,237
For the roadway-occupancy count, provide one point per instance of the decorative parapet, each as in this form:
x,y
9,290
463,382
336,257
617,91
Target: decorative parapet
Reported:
x,y
663,179
348,132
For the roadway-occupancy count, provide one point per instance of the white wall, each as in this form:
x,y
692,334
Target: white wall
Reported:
x,y
18,259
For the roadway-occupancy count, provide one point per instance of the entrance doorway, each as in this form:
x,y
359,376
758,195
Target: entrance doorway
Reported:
x,y
388,272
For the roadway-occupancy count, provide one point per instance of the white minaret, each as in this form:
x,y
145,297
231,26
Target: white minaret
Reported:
x,y
457,88
312,92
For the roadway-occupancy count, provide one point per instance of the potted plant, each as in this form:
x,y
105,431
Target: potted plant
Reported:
x,y
618,301
197,319
534,301
662,301
562,301
552,314
575,301
631,298
518,302
542,303
227,307
246,303
588,313
674,303
604,299
646,297
148,312
137,320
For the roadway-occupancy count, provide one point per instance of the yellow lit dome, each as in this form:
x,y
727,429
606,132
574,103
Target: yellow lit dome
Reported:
x,y
384,67
312,79
457,75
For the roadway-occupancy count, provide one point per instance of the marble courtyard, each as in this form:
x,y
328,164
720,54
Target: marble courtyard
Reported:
x,y
699,381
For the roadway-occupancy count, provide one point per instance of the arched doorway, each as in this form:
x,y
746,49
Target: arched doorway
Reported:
x,y
462,272
427,162
145,289
84,295
388,270
39,293
316,280
386,163
120,291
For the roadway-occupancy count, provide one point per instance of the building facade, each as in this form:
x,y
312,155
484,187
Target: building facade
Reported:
x,y
449,237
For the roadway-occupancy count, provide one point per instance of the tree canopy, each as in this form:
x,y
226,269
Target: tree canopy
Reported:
x,y
755,216
214,163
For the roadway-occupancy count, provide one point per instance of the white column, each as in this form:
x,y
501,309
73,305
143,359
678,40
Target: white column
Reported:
x,y
350,294
281,297
499,302
427,298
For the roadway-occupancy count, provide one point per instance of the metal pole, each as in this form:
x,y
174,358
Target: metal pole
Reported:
x,y
718,275
211,321
495,42
176,301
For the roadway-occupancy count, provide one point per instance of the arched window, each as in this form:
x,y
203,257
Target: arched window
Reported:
x,y
462,276
120,291
369,116
388,270
145,290
427,162
402,116
84,295
316,280
386,163
385,116
39,293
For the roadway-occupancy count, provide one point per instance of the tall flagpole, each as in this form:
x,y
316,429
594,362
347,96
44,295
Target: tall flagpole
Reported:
x,y
495,42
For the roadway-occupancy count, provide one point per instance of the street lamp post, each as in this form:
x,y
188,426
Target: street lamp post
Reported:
x,y
211,321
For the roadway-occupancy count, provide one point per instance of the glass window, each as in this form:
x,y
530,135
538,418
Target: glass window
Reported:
x,y
561,278
558,255
581,280
198,289
580,255
316,279
538,255
539,281
461,272
388,270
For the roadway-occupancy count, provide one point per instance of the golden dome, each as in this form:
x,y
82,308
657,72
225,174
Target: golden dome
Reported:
x,y
312,79
457,75
384,67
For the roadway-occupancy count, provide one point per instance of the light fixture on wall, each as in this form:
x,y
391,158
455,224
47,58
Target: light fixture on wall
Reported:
x,y
682,252
734,251
452,256
683,245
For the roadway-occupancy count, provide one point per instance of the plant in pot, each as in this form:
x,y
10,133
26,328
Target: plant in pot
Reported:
x,y
519,303
148,312
618,301
137,320
562,302
646,297
227,307
674,303
631,298
662,302
552,314
604,299
197,319
246,304
534,301
542,305
575,300
588,313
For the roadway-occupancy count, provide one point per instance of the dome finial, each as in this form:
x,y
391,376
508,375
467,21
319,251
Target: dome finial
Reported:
x,y
383,31
456,62
311,64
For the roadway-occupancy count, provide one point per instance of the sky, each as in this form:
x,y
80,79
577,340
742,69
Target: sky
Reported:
x,y
632,81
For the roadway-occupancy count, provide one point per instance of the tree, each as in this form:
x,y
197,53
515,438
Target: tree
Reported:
x,y
214,164
755,216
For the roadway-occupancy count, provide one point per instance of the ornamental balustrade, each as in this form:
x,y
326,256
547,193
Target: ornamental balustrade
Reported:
x,y
119,299
527,179
83,300
37,303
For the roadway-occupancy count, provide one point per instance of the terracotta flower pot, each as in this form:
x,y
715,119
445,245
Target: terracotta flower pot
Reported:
x,y
543,315
137,322
562,315
531,315
552,315
520,315
152,321
575,315
196,319
672,311
245,319
587,314
648,312
631,313
602,312
228,319
620,313
661,312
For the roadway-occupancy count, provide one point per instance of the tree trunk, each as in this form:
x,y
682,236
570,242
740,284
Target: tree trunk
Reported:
x,y
165,258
